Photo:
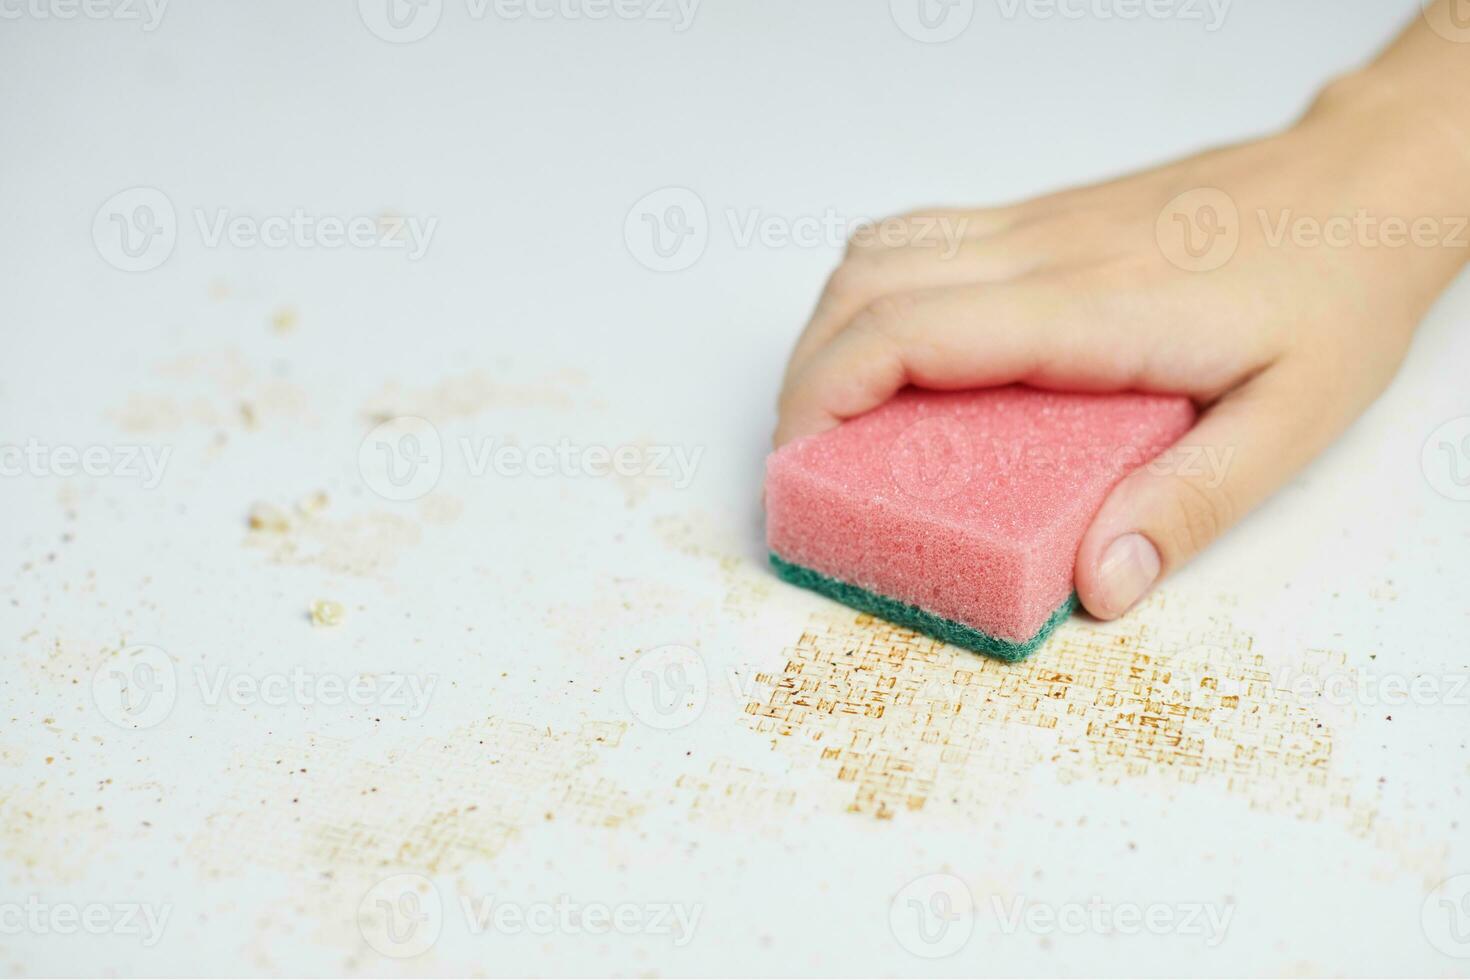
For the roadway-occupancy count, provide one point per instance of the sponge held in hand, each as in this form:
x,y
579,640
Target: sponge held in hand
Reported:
x,y
959,514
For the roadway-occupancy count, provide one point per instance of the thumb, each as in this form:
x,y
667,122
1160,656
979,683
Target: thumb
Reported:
x,y
1161,515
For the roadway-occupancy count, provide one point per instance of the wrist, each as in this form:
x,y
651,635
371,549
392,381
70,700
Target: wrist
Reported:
x,y
1404,143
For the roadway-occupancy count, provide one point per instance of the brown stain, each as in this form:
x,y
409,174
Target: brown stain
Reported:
x,y
434,807
45,837
726,793
364,545
467,395
219,390
902,719
748,585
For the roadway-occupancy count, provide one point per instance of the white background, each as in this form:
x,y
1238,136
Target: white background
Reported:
x,y
528,141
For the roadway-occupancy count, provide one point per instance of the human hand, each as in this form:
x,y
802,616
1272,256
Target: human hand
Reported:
x,y
1202,278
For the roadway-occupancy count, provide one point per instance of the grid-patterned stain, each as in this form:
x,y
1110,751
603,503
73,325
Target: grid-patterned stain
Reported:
x,y
904,718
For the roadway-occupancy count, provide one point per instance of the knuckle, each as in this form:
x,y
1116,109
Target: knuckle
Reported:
x,y
870,233
887,316
846,281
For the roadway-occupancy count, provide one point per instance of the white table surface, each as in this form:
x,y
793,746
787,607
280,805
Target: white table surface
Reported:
x,y
840,782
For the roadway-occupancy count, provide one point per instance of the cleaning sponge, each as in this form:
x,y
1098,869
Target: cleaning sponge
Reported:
x,y
959,513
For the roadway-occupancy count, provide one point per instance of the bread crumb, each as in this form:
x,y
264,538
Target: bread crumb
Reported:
x,y
284,320
313,503
325,612
269,517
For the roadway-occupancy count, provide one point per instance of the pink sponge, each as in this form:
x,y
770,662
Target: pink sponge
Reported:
x,y
960,513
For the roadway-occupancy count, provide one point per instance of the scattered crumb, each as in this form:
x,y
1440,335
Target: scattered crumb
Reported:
x,y
269,517
325,612
284,320
312,503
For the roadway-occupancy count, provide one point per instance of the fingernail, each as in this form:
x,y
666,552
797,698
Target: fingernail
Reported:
x,y
1128,569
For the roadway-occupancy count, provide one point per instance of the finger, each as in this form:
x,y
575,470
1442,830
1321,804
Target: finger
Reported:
x,y
859,281
874,270
1161,515
1045,331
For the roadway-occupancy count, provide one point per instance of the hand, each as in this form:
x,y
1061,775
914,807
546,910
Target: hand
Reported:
x,y
1281,341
